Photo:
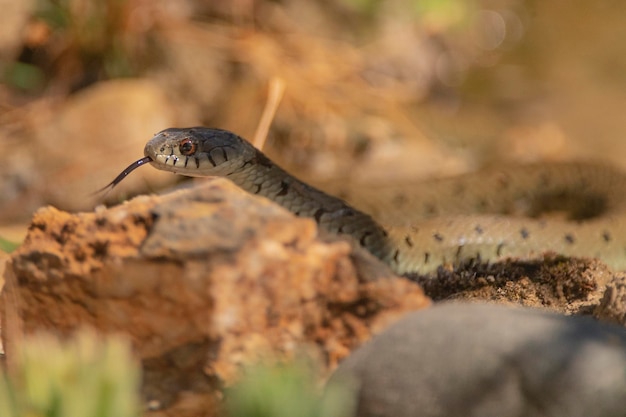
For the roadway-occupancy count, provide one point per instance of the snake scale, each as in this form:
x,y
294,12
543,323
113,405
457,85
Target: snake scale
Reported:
x,y
490,215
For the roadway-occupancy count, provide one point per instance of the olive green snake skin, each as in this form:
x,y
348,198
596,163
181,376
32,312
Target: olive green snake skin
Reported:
x,y
415,227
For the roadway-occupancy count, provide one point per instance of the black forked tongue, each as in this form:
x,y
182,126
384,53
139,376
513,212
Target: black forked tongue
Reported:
x,y
124,173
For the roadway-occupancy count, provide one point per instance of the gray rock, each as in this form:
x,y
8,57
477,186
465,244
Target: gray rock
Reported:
x,y
489,360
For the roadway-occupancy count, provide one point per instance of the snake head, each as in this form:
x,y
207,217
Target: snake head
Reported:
x,y
198,151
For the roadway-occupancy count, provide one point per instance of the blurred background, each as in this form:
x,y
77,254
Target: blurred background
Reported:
x,y
372,90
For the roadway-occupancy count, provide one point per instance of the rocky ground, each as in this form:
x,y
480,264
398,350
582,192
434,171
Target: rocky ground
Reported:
x,y
204,281
208,279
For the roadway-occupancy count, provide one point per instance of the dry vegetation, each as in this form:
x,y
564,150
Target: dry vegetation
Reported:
x,y
372,89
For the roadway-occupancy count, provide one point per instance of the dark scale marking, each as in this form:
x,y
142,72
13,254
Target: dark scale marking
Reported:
x,y
263,160
606,236
318,215
459,249
395,256
426,257
186,161
408,241
349,212
438,237
385,233
258,188
284,188
499,249
224,154
363,237
211,160
569,238
197,162
258,158
174,163
479,229
524,233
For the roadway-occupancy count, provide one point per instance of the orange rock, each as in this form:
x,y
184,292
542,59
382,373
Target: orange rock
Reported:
x,y
203,281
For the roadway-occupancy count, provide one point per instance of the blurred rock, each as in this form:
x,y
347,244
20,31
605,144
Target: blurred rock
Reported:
x,y
203,280
488,360
96,134
83,145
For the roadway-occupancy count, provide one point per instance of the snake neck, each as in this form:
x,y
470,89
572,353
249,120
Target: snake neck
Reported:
x,y
262,177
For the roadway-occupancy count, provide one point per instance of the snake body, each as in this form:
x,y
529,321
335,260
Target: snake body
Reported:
x,y
434,227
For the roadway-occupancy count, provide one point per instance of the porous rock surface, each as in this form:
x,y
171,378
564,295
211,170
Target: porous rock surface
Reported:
x,y
203,281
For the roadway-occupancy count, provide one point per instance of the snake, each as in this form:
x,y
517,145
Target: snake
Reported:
x,y
572,209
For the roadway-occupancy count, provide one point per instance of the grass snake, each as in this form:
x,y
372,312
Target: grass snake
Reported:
x,y
417,227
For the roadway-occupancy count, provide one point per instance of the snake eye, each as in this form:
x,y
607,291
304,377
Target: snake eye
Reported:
x,y
187,147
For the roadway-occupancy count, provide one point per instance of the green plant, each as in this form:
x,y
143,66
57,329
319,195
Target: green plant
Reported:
x,y
8,246
287,391
86,376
